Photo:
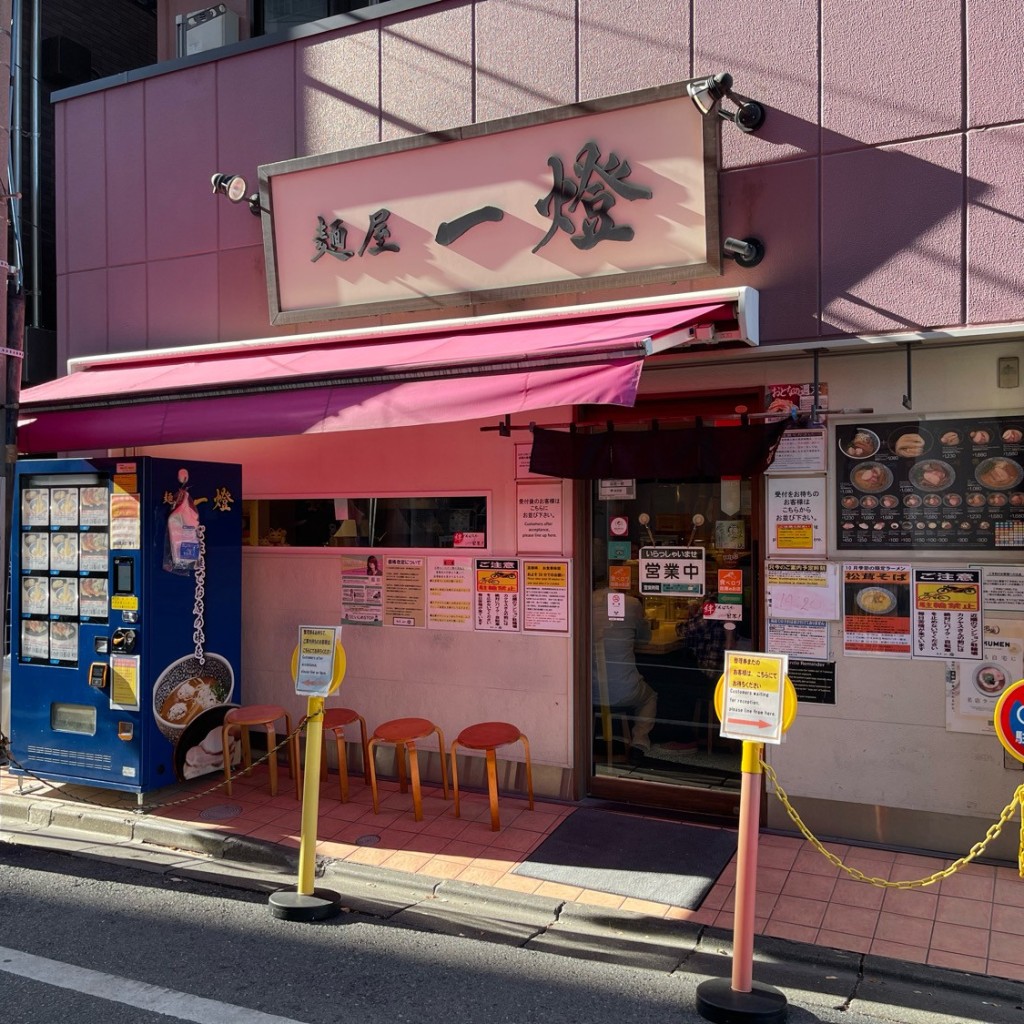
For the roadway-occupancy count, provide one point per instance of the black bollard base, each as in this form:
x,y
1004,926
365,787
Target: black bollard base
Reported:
x,y
291,905
720,1003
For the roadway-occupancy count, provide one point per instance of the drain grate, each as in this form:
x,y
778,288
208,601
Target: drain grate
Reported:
x,y
368,840
221,812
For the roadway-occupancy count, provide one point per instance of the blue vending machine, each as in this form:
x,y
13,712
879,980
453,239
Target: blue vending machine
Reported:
x,y
125,618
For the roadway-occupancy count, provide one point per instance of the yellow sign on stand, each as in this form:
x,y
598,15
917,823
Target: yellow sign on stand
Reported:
x,y
755,699
318,667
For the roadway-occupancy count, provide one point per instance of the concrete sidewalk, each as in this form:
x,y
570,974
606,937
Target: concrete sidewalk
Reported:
x,y
811,976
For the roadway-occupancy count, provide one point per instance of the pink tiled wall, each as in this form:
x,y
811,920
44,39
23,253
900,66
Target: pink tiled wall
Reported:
x,y
884,194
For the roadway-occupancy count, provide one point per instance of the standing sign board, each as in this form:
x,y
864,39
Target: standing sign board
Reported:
x,y
319,661
757,699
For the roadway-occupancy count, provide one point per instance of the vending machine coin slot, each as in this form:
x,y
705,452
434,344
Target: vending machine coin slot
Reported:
x,y
98,675
125,731
123,641
101,644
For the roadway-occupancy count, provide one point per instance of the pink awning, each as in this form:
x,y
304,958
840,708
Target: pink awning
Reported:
x,y
336,382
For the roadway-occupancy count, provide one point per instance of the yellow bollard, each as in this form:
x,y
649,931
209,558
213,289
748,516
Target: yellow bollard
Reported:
x,y
311,794
305,902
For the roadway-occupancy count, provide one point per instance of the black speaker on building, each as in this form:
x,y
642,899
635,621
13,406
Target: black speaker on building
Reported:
x,y
40,361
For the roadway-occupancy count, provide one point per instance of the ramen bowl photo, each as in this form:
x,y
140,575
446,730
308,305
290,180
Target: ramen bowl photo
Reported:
x,y
861,445
185,689
910,444
871,477
876,600
931,475
1000,474
989,679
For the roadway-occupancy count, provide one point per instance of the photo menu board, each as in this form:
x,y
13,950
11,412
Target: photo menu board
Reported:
x,y
938,484
63,568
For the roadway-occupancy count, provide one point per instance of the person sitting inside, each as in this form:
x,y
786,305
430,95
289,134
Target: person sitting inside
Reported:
x,y
618,623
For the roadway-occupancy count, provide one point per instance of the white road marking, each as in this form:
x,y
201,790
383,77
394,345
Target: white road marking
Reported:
x,y
131,993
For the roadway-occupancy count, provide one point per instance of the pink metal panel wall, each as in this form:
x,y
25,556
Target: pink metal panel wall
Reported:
x,y
525,57
426,72
857,183
995,223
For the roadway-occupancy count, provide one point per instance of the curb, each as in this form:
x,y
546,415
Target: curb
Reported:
x,y
816,977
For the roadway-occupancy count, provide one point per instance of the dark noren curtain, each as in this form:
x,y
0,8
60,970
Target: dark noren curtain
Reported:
x,y
691,453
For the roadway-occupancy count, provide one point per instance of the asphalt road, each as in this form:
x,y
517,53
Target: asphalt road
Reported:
x,y
86,940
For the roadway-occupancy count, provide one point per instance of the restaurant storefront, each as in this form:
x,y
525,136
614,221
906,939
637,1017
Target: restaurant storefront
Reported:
x,y
535,390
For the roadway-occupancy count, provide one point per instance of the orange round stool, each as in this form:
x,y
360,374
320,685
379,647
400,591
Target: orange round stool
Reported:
x,y
488,736
335,720
266,715
403,733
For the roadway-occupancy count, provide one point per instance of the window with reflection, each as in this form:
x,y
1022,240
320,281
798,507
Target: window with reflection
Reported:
x,y
439,521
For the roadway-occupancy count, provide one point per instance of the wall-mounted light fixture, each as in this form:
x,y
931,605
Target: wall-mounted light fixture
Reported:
x,y
234,187
747,252
707,95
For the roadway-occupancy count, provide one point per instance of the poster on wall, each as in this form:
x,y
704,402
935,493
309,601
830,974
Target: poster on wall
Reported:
x,y
449,593
791,399
807,638
955,484
802,590
876,610
974,687
546,597
797,511
496,598
800,451
539,517
947,614
362,590
405,602
1002,588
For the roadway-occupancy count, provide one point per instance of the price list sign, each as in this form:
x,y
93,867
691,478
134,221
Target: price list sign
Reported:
x,y
934,484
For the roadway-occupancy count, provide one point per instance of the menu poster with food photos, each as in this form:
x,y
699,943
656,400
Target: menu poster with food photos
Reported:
x,y
938,484
876,610
64,642
35,639
93,552
94,509
35,552
947,614
974,687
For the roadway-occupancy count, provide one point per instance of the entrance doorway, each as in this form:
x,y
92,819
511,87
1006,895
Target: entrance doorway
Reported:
x,y
673,588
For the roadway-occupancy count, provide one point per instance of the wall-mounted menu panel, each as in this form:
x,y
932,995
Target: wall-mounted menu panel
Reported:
x,y
953,484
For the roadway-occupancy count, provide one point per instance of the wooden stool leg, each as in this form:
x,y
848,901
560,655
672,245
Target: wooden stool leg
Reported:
x,y
243,731
492,789
403,779
373,777
444,768
414,774
362,737
225,746
455,776
272,760
339,742
529,769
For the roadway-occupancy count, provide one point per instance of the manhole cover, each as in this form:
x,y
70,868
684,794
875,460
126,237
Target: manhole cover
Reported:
x,y
369,840
221,812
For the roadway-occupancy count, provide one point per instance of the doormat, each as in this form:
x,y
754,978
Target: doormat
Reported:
x,y
646,858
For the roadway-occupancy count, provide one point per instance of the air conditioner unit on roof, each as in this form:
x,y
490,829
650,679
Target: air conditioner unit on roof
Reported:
x,y
206,29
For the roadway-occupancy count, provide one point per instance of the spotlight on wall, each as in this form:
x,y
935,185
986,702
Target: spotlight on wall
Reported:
x,y
707,95
234,187
747,252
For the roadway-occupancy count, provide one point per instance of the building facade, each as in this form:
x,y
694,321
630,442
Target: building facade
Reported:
x,y
884,322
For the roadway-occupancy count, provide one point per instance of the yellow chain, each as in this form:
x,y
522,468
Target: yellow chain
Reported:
x,y
976,850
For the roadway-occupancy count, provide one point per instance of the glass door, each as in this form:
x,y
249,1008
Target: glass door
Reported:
x,y
672,589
